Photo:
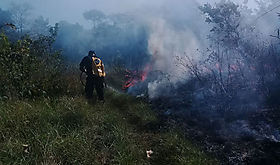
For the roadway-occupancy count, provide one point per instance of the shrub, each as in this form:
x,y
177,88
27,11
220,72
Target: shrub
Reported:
x,y
30,67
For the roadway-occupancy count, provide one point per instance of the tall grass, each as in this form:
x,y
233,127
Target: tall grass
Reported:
x,y
68,130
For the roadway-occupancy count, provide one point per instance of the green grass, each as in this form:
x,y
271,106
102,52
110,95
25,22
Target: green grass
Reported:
x,y
69,130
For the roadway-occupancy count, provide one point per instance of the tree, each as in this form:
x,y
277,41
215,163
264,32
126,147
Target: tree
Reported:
x,y
40,26
96,17
224,60
225,19
19,15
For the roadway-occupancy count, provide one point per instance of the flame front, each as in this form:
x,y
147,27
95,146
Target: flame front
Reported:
x,y
135,77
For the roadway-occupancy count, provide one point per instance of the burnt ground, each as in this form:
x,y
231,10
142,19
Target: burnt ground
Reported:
x,y
255,144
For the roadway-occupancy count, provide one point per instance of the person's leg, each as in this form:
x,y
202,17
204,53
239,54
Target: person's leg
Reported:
x,y
89,87
99,88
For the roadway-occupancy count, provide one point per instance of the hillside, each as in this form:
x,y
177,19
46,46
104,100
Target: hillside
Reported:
x,y
69,130
189,82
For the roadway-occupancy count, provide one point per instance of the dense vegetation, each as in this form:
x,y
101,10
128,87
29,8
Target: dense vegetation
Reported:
x,y
29,68
44,119
238,72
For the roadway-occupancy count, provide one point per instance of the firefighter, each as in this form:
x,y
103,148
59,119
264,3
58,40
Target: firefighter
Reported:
x,y
94,68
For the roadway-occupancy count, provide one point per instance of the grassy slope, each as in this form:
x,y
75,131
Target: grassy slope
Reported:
x,y
69,130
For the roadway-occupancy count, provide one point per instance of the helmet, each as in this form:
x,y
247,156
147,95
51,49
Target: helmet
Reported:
x,y
91,53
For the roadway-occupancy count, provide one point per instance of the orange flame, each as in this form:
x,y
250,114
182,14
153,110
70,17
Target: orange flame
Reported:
x,y
135,77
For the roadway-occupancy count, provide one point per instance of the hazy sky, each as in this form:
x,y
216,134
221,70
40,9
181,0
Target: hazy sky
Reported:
x,y
71,10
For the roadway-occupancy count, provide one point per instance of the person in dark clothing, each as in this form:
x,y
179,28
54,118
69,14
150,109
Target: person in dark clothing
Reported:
x,y
94,68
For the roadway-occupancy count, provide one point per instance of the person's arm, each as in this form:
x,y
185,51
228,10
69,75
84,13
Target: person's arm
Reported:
x,y
103,75
103,70
83,64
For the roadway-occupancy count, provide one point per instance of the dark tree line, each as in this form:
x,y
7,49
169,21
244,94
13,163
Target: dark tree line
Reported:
x,y
119,39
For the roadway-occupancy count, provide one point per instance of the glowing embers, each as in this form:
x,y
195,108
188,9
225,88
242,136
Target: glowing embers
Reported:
x,y
134,77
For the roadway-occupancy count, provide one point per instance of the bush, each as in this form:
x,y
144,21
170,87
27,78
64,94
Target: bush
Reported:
x,y
30,68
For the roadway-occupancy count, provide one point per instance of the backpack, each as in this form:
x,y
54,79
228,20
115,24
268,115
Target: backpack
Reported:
x,y
98,67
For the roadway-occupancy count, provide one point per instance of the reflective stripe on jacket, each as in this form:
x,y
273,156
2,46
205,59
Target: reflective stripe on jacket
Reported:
x,y
98,67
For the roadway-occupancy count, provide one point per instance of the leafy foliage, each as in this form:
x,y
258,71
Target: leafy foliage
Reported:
x,y
225,18
30,68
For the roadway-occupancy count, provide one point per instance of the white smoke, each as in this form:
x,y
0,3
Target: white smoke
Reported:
x,y
158,88
178,29
173,33
165,43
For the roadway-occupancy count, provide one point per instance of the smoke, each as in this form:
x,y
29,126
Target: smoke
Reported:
x,y
178,29
174,28
152,33
166,42
72,10
172,32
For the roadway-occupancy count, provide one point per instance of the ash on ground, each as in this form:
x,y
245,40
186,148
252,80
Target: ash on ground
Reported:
x,y
248,135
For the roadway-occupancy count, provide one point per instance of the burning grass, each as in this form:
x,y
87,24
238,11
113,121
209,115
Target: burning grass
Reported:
x,y
134,77
68,130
